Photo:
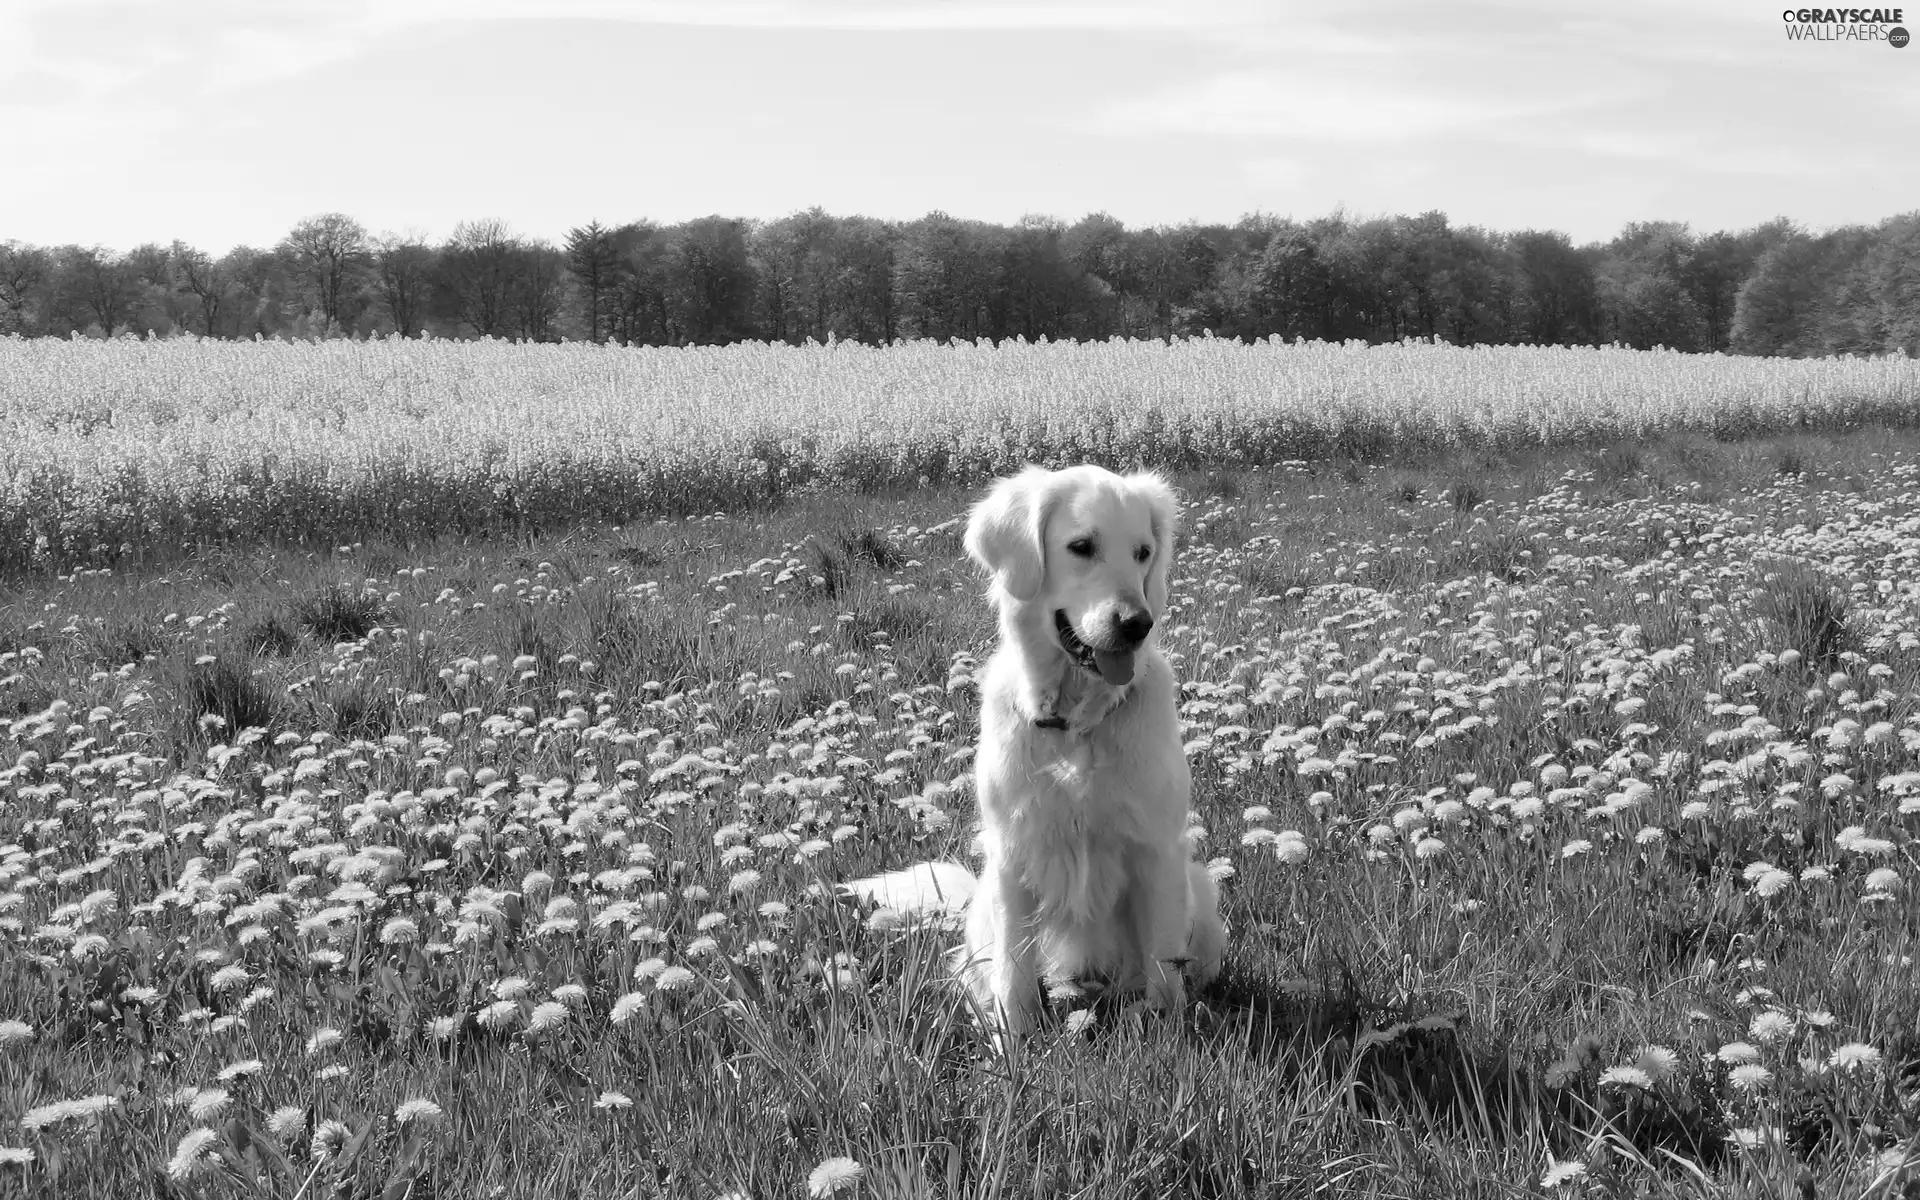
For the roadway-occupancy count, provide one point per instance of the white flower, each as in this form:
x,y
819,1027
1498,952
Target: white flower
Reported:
x,y
191,1154
15,1031
209,1103
1560,1174
1854,1056
1632,1077
287,1121
612,1099
1658,1062
547,1015
1750,1077
674,979
424,1111
626,1006
1735,1053
834,1175
322,1039
1770,1026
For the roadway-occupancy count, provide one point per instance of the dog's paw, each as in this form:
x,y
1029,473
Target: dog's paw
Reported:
x,y
1168,993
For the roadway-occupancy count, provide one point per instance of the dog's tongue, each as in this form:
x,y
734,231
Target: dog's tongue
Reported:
x,y
1116,666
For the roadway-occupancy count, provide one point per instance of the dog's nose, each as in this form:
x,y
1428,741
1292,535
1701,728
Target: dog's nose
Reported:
x,y
1134,625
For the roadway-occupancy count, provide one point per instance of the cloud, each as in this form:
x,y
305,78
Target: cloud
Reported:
x,y
1338,105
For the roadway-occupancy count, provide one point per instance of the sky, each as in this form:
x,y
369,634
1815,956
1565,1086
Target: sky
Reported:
x,y
224,122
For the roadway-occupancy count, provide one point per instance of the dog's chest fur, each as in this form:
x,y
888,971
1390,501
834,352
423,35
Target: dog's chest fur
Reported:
x,y
1073,809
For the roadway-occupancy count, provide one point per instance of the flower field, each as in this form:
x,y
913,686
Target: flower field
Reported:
x,y
1564,800
114,447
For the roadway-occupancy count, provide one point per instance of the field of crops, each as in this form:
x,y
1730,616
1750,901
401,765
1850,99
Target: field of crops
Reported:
x,y
112,448
1565,804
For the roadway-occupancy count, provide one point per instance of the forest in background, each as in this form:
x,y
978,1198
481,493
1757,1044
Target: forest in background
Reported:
x,y
1776,289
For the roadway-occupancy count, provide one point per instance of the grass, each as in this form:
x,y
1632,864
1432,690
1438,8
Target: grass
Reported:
x,y
1565,801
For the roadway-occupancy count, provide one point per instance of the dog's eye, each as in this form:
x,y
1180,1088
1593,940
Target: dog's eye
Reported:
x,y
1081,546
1143,554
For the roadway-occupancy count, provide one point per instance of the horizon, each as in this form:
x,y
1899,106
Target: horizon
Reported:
x,y
220,124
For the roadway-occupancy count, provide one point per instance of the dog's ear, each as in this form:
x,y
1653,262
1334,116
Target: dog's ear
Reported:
x,y
1165,506
1006,532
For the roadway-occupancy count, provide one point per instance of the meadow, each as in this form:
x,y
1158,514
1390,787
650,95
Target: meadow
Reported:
x,y
1563,793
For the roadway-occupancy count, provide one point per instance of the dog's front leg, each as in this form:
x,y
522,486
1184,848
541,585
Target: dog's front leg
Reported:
x,y
1016,953
1159,915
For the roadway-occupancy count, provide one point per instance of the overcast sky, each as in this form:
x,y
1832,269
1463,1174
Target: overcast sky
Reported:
x,y
225,122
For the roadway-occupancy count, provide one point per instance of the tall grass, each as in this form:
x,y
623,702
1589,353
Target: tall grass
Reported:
x,y
114,449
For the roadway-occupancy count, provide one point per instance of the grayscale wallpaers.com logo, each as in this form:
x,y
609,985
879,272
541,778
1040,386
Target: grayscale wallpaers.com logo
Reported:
x,y
1846,25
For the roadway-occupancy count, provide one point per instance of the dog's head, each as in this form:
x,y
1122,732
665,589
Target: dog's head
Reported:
x,y
1086,552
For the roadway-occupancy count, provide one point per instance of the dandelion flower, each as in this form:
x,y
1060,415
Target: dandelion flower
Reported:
x,y
1770,1026
1429,847
329,1074
1575,848
15,1031
570,994
328,1138
1632,1077
1736,1053
1854,1056
833,1176
511,988
1291,848
674,979
1080,1020
614,1100
1658,1062
426,1112
547,1015
240,1070
443,1028
1750,1077
15,1156
626,1006
210,1103
499,1014
287,1121
1560,1174
192,1153
323,1038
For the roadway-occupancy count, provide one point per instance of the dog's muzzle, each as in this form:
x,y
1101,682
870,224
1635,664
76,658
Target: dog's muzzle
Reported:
x,y
1115,666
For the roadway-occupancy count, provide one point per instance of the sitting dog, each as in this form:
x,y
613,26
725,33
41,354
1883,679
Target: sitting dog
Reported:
x,y
1081,777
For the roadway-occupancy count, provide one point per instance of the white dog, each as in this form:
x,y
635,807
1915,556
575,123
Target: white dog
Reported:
x,y
1082,780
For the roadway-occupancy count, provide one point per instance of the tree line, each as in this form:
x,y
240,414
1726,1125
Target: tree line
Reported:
x,y
1773,289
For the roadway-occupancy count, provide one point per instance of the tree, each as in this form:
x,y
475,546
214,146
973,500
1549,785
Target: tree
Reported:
x,y
96,287
403,274
24,271
478,268
1556,289
209,283
639,298
326,254
711,281
1776,306
593,259
536,290
865,302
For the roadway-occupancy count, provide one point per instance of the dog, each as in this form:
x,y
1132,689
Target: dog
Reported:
x,y
1082,782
